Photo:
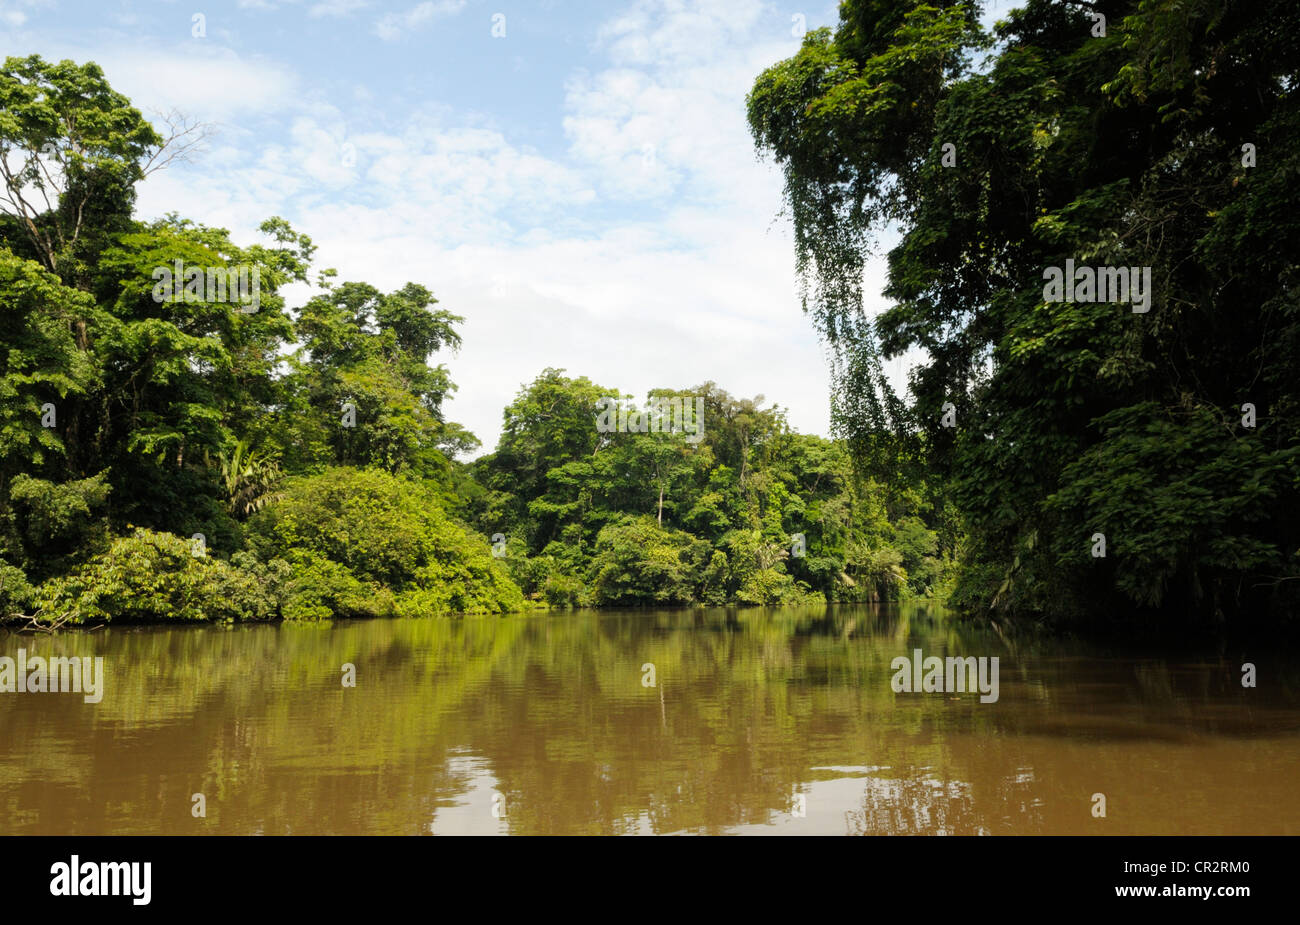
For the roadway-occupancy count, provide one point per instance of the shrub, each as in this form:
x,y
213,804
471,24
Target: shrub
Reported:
x,y
364,542
637,562
16,592
561,590
770,586
318,589
150,576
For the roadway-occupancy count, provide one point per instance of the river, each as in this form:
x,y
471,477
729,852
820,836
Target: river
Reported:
x,y
753,722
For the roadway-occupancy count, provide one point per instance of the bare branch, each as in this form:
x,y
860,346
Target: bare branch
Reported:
x,y
24,212
184,139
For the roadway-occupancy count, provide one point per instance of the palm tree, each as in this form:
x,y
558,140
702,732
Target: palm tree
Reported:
x,y
249,477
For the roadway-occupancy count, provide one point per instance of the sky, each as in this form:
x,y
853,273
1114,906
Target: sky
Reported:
x,y
575,179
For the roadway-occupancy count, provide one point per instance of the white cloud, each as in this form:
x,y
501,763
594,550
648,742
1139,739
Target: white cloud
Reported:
x,y
392,25
204,81
667,119
457,184
14,13
669,34
646,254
338,7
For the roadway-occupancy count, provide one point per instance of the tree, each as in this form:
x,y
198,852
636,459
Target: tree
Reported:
x,y
548,442
71,151
363,391
999,157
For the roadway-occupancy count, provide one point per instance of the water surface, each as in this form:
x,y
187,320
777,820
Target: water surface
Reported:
x,y
759,722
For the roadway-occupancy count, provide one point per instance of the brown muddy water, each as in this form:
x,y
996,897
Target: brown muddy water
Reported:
x,y
753,722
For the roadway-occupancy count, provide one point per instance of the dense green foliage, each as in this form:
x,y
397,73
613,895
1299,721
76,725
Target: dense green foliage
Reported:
x,y
362,541
186,457
999,156
745,511
149,575
193,456
138,432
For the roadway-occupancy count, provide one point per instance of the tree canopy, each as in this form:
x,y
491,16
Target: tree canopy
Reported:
x,y
1146,134
179,451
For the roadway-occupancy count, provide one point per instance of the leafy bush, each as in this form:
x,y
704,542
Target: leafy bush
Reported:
x,y
881,570
56,524
561,590
364,542
16,592
318,589
152,576
637,562
770,586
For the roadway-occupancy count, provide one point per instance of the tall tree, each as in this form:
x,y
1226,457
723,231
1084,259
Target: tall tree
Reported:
x,y
1121,134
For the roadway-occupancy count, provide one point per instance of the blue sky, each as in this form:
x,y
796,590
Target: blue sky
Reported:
x,y
583,189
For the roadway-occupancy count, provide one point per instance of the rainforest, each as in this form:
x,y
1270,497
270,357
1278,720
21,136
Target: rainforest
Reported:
x,y
656,417
195,460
